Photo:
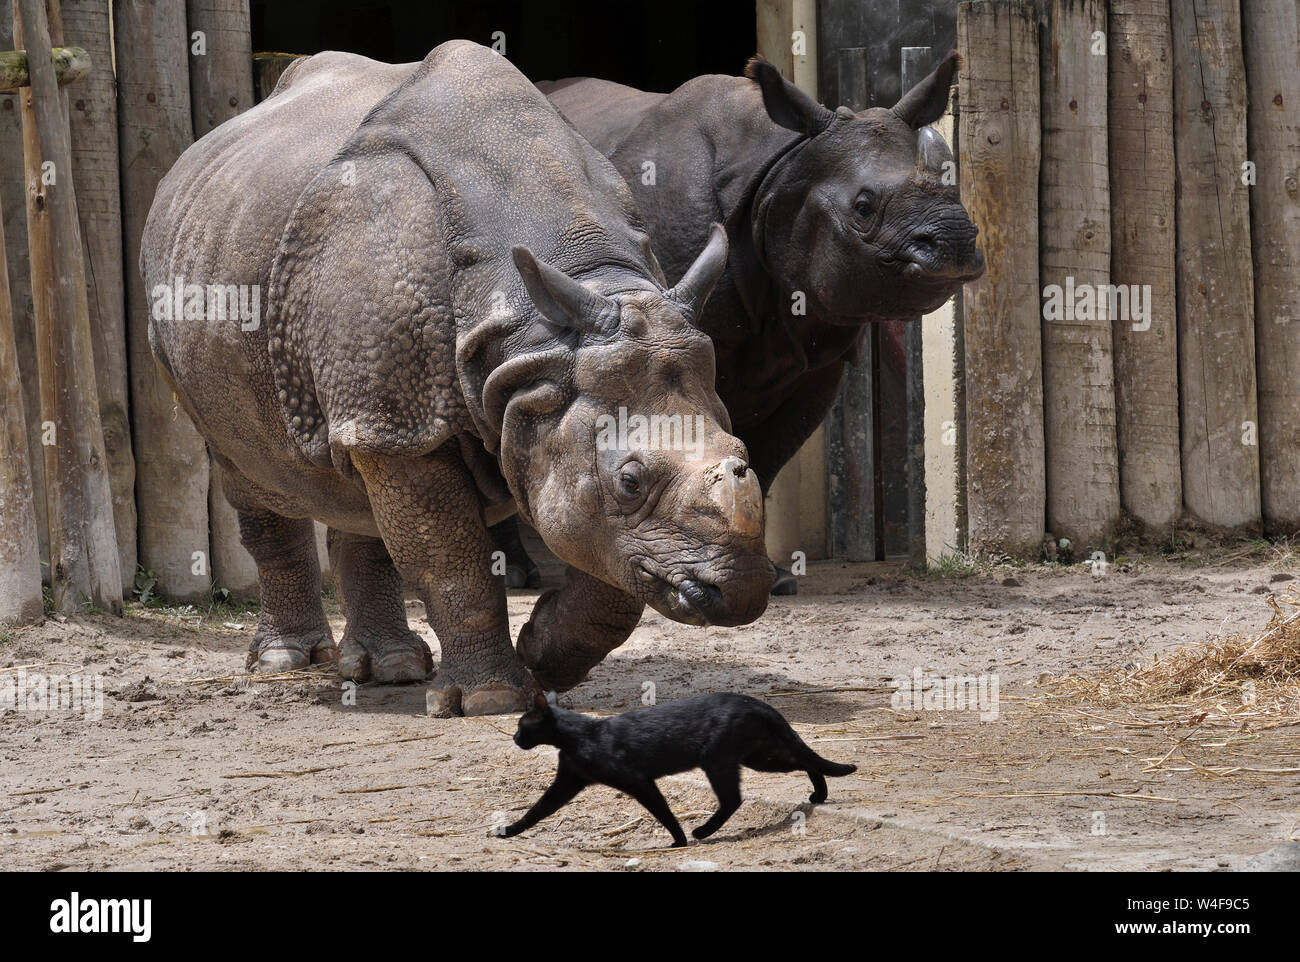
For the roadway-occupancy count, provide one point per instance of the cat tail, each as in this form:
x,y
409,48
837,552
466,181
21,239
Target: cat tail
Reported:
x,y
815,763
828,767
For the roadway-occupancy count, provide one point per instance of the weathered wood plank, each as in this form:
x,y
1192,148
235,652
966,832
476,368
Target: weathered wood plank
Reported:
x,y
1272,69
1141,118
1074,271
171,460
221,86
20,557
1216,298
221,76
93,125
916,62
84,565
13,197
999,138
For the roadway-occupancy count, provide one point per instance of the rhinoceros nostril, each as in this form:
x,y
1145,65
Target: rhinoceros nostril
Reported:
x,y
735,466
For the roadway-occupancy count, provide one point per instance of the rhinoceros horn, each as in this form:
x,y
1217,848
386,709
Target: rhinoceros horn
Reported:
x,y
562,300
694,288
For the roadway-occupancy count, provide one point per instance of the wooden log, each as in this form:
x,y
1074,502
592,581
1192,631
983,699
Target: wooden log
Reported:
x,y
1074,271
854,500
20,557
999,147
267,68
71,64
916,62
1216,299
171,459
84,566
93,126
13,213
1273,125
221,75
1141,118
221,86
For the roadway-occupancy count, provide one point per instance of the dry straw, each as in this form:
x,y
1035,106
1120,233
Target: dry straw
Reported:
x,y
1238,680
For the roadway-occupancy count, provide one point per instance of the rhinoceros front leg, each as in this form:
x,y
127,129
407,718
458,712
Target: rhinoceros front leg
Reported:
x,y
431,520
573,628
378,644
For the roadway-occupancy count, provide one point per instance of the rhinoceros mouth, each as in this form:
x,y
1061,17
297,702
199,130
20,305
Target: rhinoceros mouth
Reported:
x,y
684,600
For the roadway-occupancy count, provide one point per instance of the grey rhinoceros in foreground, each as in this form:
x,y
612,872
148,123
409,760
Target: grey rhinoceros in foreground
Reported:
x,y
458,293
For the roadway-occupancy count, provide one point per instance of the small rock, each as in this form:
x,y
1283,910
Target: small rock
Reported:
x,y
1259,590
632,863
1010,583
1283,858
694,865
1281,576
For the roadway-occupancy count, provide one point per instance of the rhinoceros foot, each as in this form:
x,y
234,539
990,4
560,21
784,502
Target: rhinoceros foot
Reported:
x,y
275,653
396,660
503,689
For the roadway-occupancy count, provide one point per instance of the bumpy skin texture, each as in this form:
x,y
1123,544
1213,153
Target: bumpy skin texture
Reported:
x,y
455,288
786,176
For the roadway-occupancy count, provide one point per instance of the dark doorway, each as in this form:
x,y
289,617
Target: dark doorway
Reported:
x,y
652,45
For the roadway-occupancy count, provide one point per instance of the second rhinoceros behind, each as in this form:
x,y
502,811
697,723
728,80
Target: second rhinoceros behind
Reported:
x,y
459,296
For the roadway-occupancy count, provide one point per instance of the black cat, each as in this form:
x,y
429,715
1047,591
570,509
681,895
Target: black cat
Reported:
x,y
717,733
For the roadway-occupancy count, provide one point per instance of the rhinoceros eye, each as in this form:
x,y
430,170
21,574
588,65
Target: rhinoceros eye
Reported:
x,y
629,482
865,203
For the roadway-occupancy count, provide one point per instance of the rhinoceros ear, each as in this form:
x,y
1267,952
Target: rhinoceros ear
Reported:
x,y
926,102
695,286
562,300
786,104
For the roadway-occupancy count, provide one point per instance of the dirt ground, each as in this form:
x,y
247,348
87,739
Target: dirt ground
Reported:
x,y
235,773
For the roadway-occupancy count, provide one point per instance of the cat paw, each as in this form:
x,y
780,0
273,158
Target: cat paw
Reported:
x,y
817,797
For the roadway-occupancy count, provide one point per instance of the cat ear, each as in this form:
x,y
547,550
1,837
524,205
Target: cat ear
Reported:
x,y
552,699
540,702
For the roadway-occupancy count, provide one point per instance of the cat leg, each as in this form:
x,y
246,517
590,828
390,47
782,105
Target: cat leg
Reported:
x,y
819,787
648,794
563,790
725,780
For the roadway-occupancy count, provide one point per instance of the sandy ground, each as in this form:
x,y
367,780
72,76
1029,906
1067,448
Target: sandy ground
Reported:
x,y
234,773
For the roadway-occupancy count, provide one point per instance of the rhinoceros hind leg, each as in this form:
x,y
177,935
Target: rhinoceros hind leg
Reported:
x,y
291,631
378,644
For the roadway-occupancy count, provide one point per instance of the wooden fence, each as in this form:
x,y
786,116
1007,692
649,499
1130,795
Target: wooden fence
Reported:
x,y
1132,352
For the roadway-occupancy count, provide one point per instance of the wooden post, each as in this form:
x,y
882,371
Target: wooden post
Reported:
x,y
221,61
84,565
20,558
1074,271
915,63
171,459
999,179
267,68
855,526
221,86
1272,66
1141,119
93,127
945,532
1216,299
796,499
13,196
